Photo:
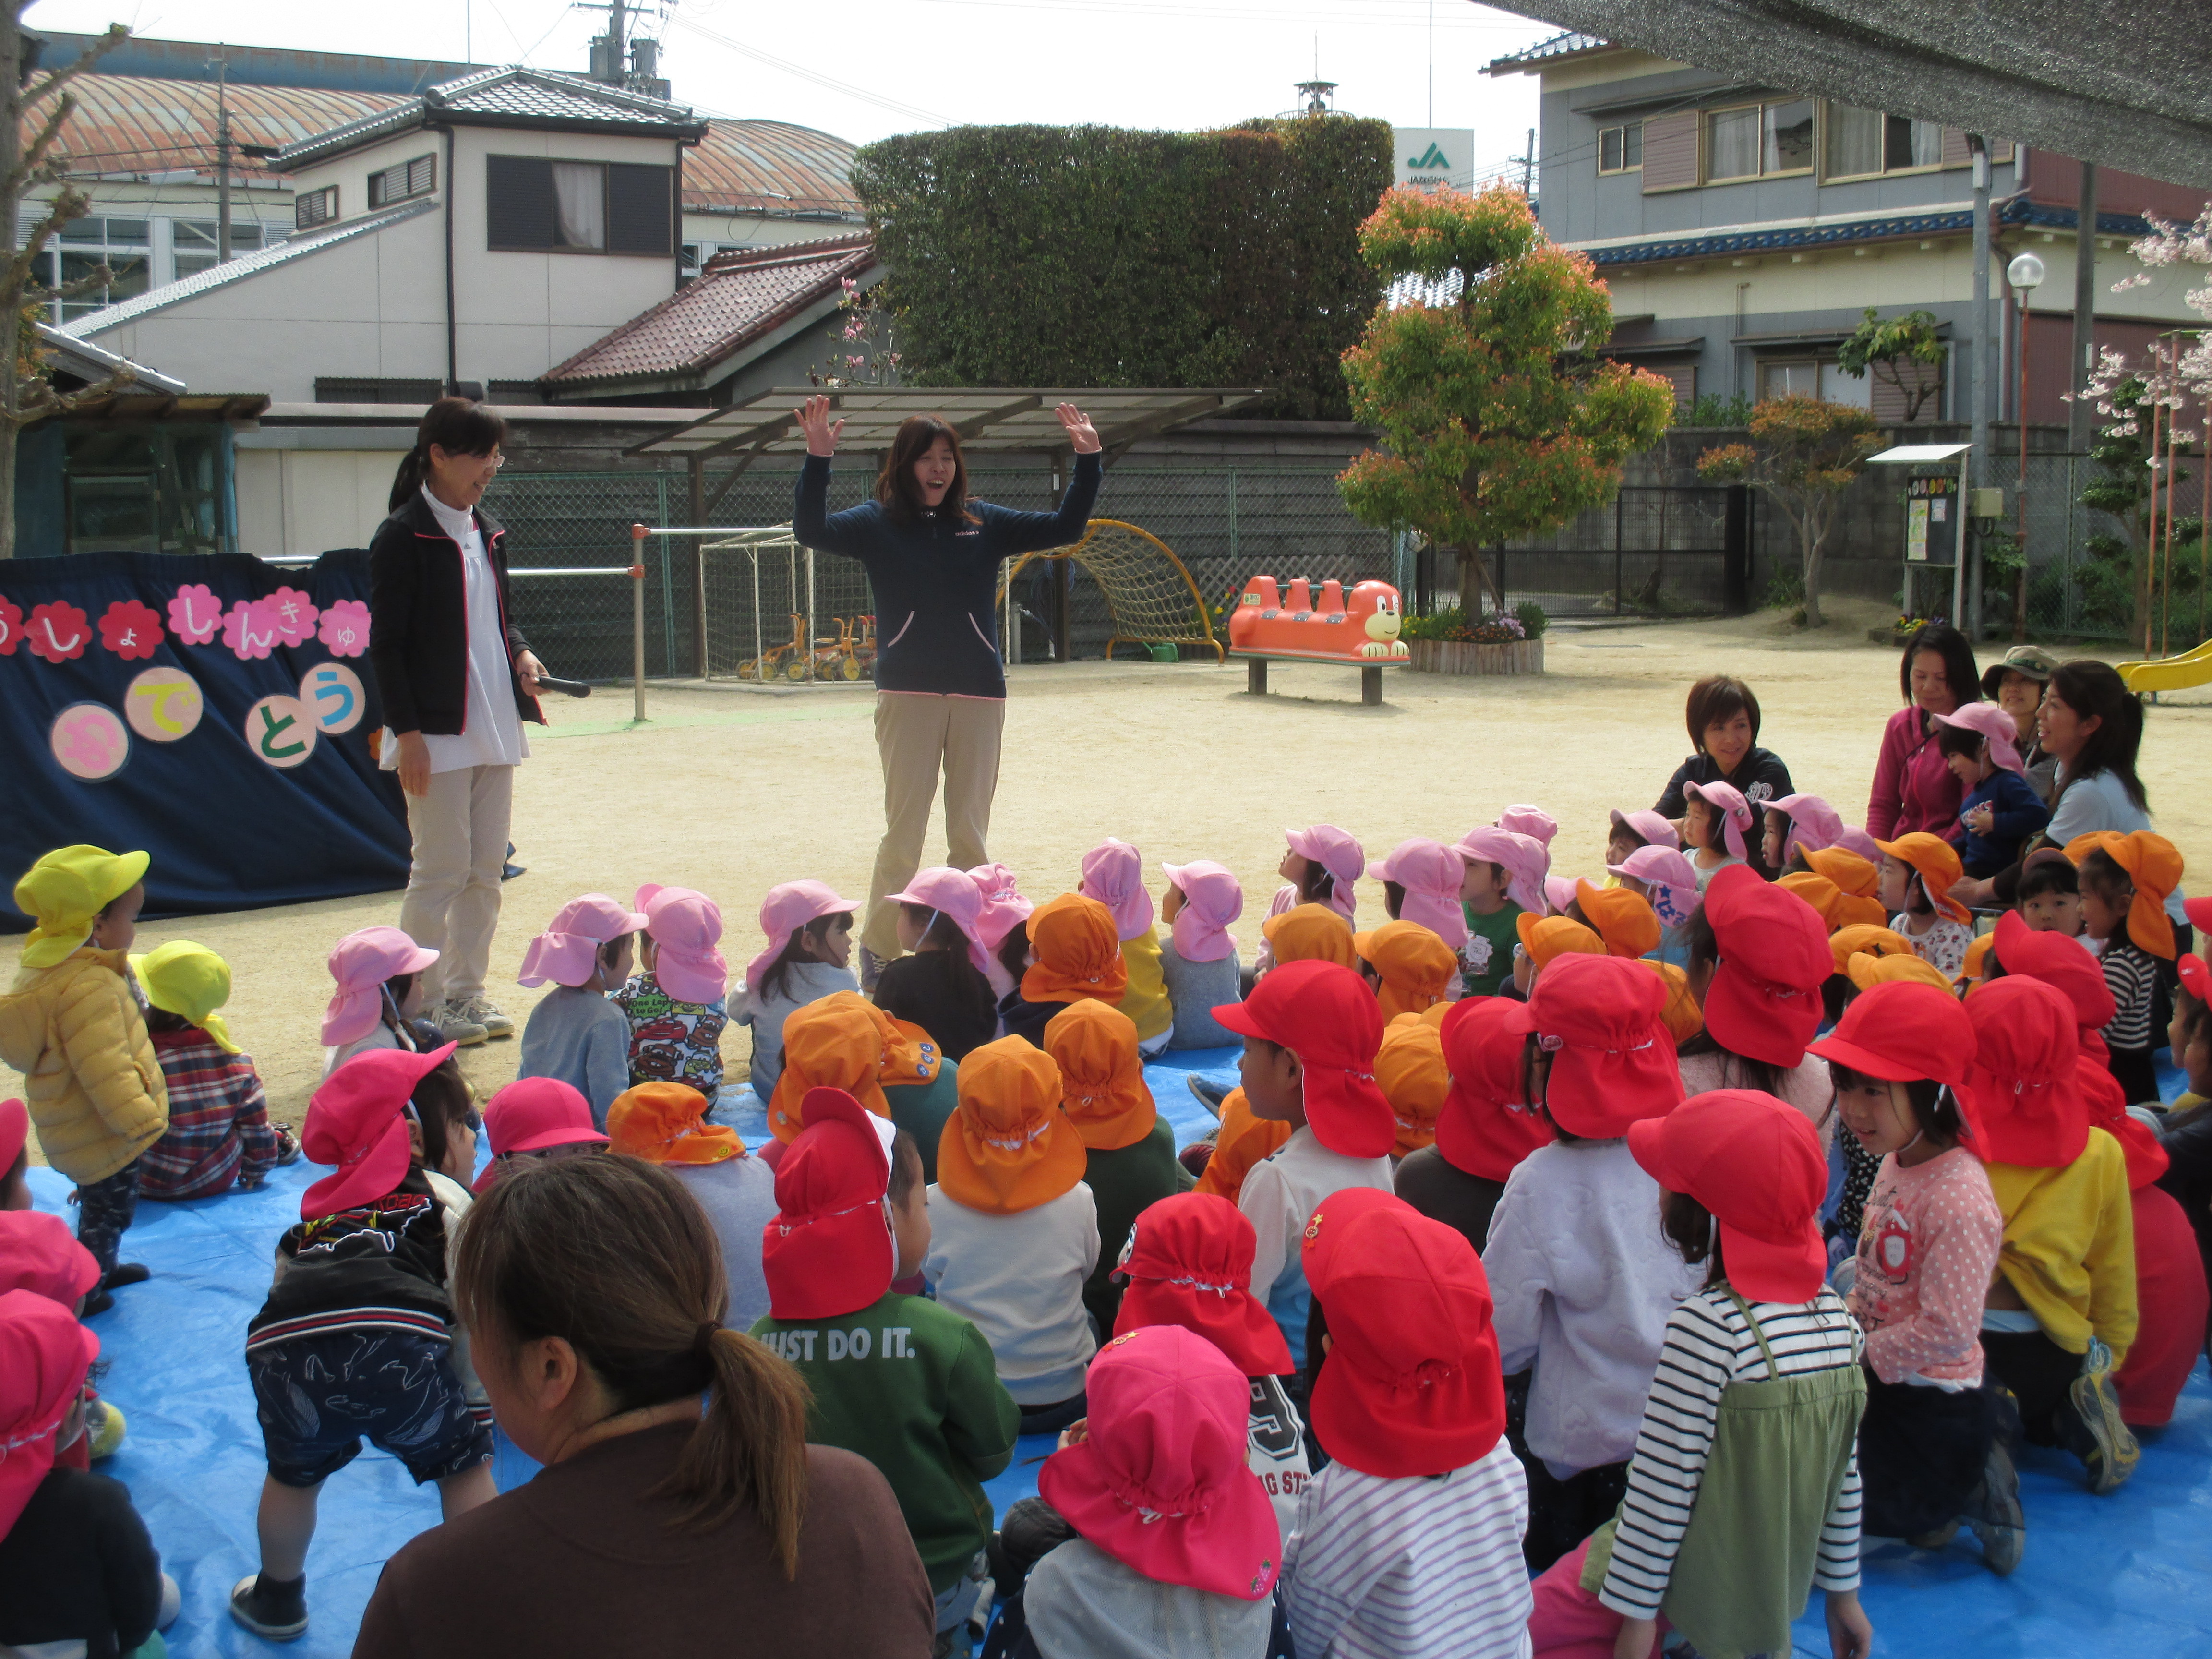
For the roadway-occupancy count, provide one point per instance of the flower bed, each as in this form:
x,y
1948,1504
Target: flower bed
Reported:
x,y
1476,657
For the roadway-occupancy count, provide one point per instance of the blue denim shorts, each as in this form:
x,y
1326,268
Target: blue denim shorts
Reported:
x,y
319,1397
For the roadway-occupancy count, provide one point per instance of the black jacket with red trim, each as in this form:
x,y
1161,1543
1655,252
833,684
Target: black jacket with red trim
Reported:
x,y
418,622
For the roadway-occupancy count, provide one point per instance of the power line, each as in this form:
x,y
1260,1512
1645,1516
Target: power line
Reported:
x,y
828,83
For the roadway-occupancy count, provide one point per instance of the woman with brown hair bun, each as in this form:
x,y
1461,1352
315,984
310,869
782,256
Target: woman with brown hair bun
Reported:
x,y
680,1504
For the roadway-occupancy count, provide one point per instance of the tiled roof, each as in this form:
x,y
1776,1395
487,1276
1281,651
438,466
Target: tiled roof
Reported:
x,y
238,270
135,123
1832,233
770,166
528,96
1567,44
739,298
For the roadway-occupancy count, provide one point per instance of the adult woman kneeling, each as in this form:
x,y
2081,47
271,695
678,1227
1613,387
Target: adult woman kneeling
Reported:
x,y
680,1509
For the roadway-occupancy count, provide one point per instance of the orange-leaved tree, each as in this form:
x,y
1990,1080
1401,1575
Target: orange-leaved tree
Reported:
x,y
1477,368
1805,455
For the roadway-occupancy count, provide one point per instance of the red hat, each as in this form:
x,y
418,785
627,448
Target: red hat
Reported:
x,y
1326,1015
530,1114
2023,1082
1488,1127
38,1253
1903,1030
2196,979
1613,1063
1411,1384
44,1355
15,1132
1765,999
1755,1161
1159,1480
2199,912
357,1121
2059,962
828,1252
1189,1263
2106,1103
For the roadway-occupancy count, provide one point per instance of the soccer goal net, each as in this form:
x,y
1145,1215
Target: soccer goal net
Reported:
x,y
1149,594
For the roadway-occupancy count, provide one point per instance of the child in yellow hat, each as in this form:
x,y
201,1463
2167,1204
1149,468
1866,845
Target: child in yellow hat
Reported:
x,y
219,1130
71,1025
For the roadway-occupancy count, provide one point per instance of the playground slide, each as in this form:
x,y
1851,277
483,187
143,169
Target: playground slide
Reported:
x,y
2170,673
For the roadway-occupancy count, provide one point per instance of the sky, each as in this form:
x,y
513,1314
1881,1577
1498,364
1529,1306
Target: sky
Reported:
x,y
868,69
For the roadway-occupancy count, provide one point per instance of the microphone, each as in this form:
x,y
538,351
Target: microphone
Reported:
x,y
572,687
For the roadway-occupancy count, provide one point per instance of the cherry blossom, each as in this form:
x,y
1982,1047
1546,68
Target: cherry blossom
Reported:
x,y
131,630
11,626
59,631
295,615
252,629
195,614
345,628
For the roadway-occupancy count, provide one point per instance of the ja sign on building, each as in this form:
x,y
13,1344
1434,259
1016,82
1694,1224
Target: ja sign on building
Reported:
x,y
1430,158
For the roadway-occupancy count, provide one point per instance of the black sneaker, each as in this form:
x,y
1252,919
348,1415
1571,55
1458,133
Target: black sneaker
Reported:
x,y
871,970
99,1302
1210,1095
1995,1513
127,1273
277,1613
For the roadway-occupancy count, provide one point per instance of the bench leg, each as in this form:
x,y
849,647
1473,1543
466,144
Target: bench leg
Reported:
x,y
1371,687
1255,678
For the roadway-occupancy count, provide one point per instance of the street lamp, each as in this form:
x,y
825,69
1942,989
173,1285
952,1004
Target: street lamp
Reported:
x,y
2024,275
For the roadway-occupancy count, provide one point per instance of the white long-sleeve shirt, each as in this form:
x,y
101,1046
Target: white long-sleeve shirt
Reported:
x,y
1018,1279
1709,1344
1582,1281
1427,1565
1279,1195
491,731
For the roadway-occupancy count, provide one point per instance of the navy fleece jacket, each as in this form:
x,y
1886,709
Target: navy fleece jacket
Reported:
x,y
937,626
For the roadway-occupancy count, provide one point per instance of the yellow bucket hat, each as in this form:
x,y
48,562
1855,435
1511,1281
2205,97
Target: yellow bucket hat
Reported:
x,y
190,981
65,893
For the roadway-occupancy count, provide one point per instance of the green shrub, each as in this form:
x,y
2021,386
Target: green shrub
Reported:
x,y
1710,408
1534,621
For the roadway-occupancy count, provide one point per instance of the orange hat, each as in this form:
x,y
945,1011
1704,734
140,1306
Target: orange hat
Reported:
x,y
667,1123
1415,964
833,1043
2153,865
1858,877
1681,1016
1861,938
1101,1078
1626,921
1545,937
1936,862
1978,955
1867,971
1009,1148
1309,932
1079,953
1836,908
1409,1069
910,1054
1241,1142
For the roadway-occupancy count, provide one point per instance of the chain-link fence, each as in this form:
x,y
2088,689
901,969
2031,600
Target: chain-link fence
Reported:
x,y
580,626
2070,589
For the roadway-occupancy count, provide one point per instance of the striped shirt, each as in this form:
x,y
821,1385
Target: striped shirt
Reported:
x,y
2131,975
1431,1565
1709,1345
218,1121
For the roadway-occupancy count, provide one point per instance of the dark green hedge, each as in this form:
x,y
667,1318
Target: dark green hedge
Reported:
x,y
1099,256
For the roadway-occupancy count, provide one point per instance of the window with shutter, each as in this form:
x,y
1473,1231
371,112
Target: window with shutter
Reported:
x,y
403,181
641,216
519,202
1670,151
314,207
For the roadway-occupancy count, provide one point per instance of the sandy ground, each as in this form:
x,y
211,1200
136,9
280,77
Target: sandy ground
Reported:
x,y
731,790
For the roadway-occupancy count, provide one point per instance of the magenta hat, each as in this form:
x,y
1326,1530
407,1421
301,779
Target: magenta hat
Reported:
x,y
1159,1480
1559,894
360,963
1859,841
357,1121
686,928
1532,822
1654,830
1431,873
1003,907
1672,879
1114,874
1336,851
1523,858
1736,812
531,1114
567,952
1813,824
1991,722
952,893
787,908
44,1356
1212,898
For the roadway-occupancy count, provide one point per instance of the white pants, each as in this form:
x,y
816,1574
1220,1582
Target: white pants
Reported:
x,y
451,907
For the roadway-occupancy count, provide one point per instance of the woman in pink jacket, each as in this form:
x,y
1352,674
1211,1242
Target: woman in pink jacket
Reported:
x,y
1913,788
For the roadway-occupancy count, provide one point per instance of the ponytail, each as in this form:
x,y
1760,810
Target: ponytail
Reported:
x,y
534,1262
414,468
460,426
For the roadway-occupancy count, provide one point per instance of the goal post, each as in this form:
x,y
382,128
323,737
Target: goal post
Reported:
x,y
1149,592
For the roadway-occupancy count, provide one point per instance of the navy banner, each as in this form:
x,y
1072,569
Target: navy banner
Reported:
x,y
214,712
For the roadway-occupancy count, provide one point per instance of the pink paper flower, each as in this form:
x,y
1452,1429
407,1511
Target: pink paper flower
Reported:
x,y
59,631
345,628
195,614
252,629
295,615
131,630
11,626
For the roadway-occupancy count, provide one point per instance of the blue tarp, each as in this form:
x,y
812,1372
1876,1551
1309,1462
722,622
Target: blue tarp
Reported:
x,y
214,711
2131,1574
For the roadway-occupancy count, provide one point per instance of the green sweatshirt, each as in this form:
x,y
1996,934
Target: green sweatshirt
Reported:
x,y
922,1109
910,1387
1488,957
1123,1183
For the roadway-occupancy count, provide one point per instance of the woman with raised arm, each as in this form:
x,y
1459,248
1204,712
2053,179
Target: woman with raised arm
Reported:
x,y
933,557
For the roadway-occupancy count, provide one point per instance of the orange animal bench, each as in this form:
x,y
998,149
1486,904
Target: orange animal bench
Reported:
x,y
1360,630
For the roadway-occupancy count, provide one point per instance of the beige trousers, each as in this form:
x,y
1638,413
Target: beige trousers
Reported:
x,y
451,907
918,736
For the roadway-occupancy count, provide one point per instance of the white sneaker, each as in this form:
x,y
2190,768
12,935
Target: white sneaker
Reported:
x,y
496,1024
453,1024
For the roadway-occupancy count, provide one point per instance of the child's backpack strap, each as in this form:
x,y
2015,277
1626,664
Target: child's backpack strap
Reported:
x,y
1773,1371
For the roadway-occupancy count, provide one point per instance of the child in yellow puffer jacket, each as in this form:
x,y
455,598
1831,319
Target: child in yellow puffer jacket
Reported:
x,y
73,1025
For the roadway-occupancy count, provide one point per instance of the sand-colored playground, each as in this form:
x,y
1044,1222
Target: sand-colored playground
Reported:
x,y
731,790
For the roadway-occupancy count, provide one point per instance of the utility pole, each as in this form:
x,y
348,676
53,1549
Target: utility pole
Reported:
x,y
1981,348
1529,166
2082,417
223,158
